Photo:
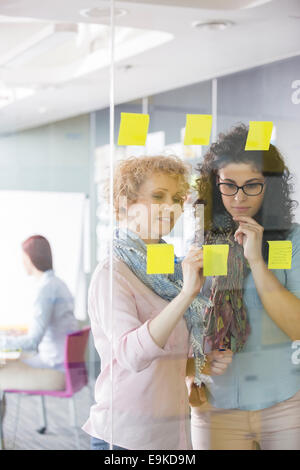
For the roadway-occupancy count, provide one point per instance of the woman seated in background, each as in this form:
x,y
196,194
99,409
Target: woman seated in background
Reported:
x,y
248,203
142,403
52,320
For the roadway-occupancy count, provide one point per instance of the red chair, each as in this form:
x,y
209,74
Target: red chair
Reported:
x,y
75,373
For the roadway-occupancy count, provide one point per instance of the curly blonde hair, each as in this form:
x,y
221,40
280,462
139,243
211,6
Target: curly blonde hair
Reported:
x,y
129,175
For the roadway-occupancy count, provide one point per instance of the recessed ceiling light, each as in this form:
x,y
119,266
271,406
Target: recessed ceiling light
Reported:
x,y
213,25
98,13
125,67
42,109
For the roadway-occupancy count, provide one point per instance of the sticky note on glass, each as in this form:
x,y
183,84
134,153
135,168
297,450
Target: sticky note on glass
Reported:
x,y
215,259
280,254
133,129
197,129
160,259
259,135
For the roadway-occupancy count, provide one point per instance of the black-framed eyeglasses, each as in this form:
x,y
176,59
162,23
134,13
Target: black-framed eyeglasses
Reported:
x,y
250,189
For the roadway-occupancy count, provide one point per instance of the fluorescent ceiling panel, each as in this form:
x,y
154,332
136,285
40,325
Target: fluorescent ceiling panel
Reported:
x,y
59,53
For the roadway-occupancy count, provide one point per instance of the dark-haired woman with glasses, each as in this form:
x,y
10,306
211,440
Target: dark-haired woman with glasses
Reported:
x,y
256,310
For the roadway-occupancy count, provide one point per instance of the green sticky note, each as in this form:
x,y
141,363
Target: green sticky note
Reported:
x,y
160,259
197,129
215,260
280,254
259,135
133,129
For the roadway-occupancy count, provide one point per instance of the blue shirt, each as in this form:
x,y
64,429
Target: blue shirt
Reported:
x,y
263,373
52,320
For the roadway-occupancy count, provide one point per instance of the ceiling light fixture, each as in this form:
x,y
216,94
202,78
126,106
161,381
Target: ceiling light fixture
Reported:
x,y
101,13
126,67
48,38
208,4
215,25
42,109
9,95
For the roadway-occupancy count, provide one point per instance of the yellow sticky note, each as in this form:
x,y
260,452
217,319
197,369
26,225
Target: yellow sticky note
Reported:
x,y
215,260
280,254
160,259
259,135
197,129
133,129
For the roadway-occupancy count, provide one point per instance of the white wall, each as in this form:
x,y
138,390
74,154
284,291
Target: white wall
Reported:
x,y
54,157
58,217
44,177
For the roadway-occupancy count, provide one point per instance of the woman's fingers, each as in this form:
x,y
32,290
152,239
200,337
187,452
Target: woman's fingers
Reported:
x,y
239,238
249,227
218,361
195,255
217,370
189,380
243,231
221,357
246,219
222,362
192,271
248,222
219,366
216,354
243,227
194,249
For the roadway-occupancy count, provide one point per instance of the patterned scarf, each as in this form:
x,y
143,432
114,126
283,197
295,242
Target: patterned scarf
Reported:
x,y
226,319
221,321
129,248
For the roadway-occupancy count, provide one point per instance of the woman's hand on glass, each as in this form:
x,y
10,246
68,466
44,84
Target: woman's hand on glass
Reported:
x,y
249,235
192,269
217,362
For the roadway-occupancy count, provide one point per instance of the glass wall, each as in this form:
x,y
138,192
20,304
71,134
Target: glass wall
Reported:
x,y
267,93
241,324
46,199
180,254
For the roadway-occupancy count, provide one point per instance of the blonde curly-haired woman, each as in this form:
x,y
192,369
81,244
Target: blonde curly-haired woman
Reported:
x,y
152,316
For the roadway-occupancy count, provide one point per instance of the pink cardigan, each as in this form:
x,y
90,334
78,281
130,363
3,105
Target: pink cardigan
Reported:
x,y
150,404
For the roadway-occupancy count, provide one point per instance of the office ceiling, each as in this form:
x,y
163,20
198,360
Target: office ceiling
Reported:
x,y
54,55
207,4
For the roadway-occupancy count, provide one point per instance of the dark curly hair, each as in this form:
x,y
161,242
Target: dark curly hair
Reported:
x,y
276,212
